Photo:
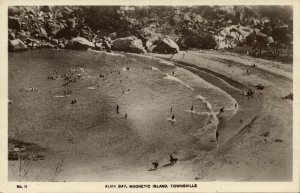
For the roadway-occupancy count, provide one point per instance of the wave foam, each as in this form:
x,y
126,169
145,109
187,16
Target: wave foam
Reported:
x,y
169,77
213,123
161,61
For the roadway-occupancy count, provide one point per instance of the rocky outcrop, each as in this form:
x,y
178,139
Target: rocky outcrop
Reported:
x,y
232,36
129,44
14,23
52,28
46,8
16,45
15,10
66,33
148,33
79,43
205,41
163,46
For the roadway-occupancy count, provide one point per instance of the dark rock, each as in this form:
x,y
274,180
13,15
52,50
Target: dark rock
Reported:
x,y
52,28
128,44
86,33
67,13
205,41
11,36
61,45
15,10
232,36
16,45
22,35
113,35
66,33
148,33
30,12
46,8
166,46
71,23
14,23
79,43
107,45
152,43
54,41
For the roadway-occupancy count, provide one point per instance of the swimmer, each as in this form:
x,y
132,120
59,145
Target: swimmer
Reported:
x,y
117,108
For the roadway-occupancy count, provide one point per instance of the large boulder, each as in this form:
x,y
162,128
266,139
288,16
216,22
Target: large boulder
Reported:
x,y
14,23
71,23
66,33
52,28
148,33
128,44
16,45
46,8
22,35
165,46
232,36
201,41
152,43
79,43
15,10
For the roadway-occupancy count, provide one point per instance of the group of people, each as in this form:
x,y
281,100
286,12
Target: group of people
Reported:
x,y
172,162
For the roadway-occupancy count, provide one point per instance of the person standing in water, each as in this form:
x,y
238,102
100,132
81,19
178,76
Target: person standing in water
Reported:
x,y
221,111
235,105
173,117
192,108
217,137
125,115
117,108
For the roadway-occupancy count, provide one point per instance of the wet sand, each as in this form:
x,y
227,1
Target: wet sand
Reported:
x,y
242,151
262,150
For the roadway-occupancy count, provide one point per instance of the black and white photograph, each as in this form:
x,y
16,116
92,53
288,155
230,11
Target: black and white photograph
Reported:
x,y
150,93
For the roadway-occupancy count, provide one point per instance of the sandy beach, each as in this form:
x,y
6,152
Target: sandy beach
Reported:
x,y
266,141
253,141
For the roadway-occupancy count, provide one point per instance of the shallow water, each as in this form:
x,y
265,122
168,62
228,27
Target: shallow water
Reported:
x,y
90,132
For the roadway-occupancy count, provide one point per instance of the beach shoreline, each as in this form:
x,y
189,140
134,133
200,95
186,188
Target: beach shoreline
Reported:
x,y
265,142
245,149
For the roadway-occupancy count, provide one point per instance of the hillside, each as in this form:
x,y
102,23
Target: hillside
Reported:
x,y
260,31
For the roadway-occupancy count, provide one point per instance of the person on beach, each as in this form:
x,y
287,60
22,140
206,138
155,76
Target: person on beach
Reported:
x,y
173,117
125,115
173,160
155,165
192,108
217,138
221,111
171,109
117,108
235,105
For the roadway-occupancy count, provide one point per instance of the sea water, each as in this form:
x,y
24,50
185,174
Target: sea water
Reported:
x,y
90,135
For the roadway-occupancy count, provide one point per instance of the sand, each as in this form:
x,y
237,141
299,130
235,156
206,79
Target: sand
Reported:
x,y
251,154
258,148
